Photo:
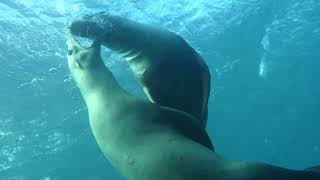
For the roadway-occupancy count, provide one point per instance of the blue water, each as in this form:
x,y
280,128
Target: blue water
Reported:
x,y
263,55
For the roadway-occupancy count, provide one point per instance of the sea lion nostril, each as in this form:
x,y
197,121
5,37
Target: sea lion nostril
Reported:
x,y
70,51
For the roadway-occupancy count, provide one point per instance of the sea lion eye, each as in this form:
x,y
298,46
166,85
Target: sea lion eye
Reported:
x,y
70,51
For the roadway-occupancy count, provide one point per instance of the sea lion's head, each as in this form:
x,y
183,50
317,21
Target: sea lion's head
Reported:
x,y
84,62
96,25
83,58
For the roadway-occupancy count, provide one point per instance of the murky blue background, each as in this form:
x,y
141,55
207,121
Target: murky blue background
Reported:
x,y
263,55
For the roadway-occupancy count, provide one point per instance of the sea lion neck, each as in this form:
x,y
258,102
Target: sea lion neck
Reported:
x,y
98,83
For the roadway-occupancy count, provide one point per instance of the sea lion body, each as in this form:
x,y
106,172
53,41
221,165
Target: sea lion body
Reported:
x,y
171,73
125,127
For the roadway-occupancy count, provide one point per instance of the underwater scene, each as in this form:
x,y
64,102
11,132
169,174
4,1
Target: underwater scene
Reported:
x,y
263,57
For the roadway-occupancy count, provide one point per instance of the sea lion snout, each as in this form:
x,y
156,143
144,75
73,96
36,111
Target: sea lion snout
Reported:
x,y
86,28
72,46
83,58
98,25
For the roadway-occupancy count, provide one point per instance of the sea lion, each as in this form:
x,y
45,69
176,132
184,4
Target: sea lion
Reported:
x,y
171,72
119,121
146,141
